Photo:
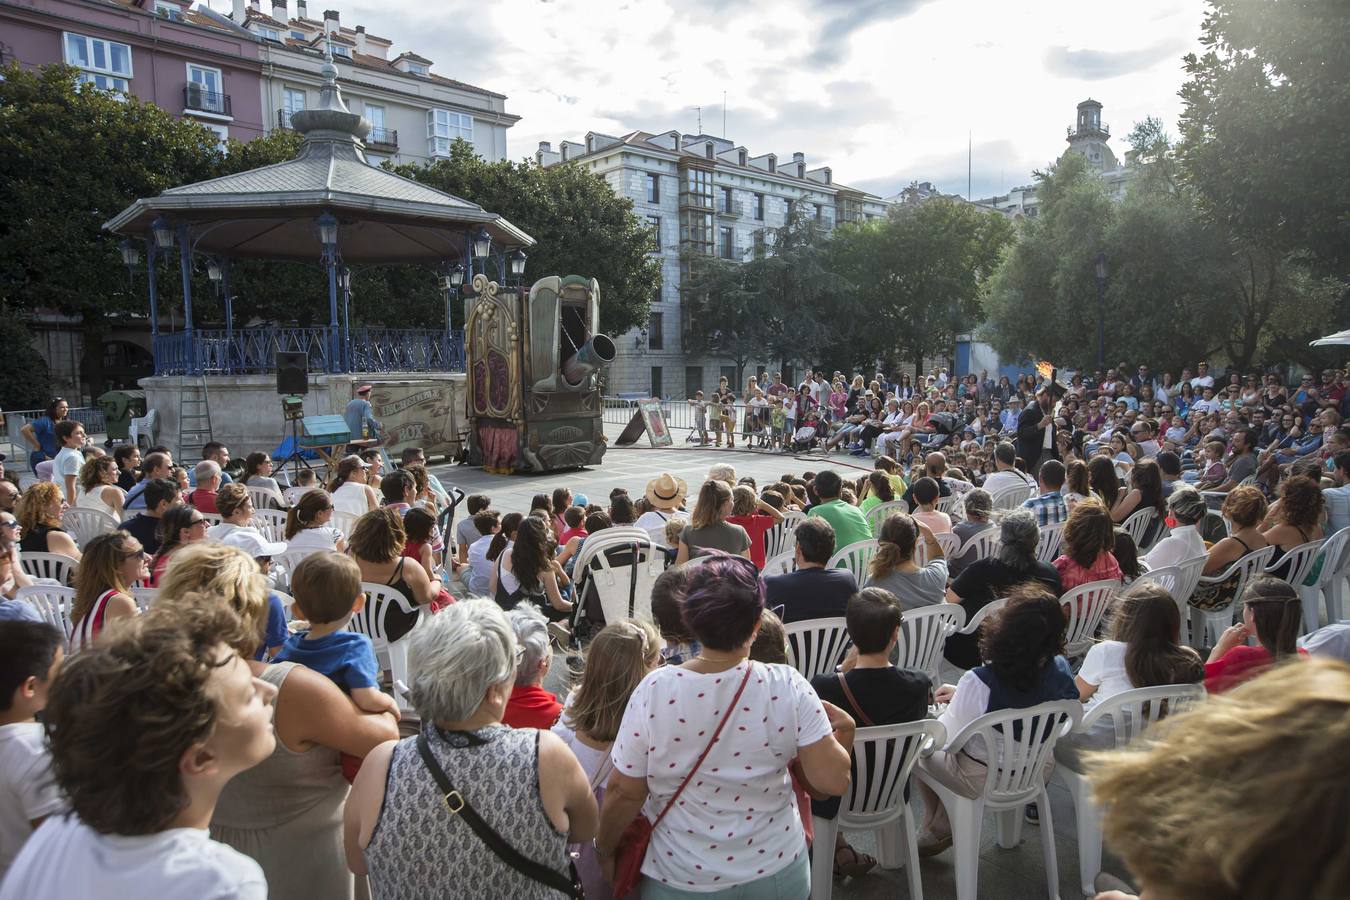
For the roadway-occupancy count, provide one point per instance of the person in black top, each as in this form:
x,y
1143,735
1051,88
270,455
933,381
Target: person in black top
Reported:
x,y
160,494
1037,419
986,580
813,591
872,691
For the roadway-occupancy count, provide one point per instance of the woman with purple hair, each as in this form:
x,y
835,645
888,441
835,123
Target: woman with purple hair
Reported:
x,y
730,820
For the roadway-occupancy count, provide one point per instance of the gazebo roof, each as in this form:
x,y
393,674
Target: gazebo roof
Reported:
x,y
269,212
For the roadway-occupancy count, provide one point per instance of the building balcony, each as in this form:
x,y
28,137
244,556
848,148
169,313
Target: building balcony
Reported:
x,y
383,138
696,201
1102,131
197,99
284,118
732,210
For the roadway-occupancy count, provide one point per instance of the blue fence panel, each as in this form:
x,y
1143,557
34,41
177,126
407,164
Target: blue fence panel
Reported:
x,y
252,351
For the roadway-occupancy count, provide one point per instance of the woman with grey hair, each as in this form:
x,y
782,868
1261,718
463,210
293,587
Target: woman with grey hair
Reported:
x,y
530,705
407,820
986,580
1187,506
979,505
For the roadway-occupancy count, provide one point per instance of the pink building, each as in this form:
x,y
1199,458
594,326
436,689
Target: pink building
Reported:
x,y
189,62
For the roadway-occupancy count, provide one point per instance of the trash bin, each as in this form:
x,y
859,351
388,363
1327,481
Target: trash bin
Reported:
x,y
119,408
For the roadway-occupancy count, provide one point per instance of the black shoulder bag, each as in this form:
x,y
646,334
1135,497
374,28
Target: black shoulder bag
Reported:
x,y
456,805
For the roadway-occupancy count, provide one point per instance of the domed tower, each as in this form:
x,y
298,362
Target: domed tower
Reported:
x,y
1088,138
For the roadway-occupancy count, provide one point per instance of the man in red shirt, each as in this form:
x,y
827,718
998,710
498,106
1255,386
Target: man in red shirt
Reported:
x,y
203,499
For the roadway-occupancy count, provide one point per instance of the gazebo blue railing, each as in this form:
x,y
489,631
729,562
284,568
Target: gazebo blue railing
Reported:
x,y
252,351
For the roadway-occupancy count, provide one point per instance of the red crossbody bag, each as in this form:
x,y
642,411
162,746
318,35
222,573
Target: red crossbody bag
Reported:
x,y
632,848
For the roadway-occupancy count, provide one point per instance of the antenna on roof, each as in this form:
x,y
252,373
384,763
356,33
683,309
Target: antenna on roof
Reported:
x,y
724,114
970,149
700,118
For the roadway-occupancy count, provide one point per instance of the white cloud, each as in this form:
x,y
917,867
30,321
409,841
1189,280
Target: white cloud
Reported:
x,y
885,91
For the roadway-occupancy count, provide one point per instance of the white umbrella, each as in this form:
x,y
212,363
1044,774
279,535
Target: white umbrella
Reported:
x,y
1331,340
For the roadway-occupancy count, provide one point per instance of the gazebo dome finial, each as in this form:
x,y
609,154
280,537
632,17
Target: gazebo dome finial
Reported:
x,y
331,120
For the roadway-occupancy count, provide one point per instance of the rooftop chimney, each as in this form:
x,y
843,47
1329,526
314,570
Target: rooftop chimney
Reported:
x,y
330,21
240,11
256,4
279,11
300,11
799,159
546,146
360,39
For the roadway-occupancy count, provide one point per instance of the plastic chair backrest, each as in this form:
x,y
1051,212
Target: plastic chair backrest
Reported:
x,y
271,522
1019,743
602,540
947,541
1244,567
989,609
287,602
948,505
344,522
380,598
1136,524
816,646
855,558
85,524
883,511
780,564
982,544
1013,496
1179,581
1052,537
1087,605
883,759
1300,561
56,566
1132,711
53,603
1336,549
264,498
144,597
781,537
923,632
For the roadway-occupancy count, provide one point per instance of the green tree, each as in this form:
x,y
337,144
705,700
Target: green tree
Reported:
x,y
1264,141
581,226
23,372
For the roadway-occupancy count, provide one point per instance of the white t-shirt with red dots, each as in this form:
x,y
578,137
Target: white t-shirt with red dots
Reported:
x,y
737,820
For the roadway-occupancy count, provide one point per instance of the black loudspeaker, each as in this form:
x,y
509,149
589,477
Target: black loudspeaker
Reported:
x,y
292,373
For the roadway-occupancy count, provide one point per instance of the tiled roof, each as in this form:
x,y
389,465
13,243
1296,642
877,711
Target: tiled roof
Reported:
x,y
254,15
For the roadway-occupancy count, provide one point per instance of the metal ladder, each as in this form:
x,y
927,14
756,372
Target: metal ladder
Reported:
x,y
194,420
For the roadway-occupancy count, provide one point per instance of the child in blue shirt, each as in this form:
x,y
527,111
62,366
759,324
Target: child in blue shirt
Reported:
x,y
327,590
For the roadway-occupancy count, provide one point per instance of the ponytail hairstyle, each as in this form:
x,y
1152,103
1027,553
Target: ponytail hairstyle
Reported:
x,y
510,525
881,486
711,497
346,467
308,508
1277,614
895,544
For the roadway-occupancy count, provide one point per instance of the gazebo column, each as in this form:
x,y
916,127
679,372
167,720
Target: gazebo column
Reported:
x,y
328,229
185,263
229,310
150,260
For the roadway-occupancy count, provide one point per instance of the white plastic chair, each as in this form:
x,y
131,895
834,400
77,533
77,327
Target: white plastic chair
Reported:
x,y
781,537
287,602
983,544
1179,581
1207,624
973,624
1019,742
883,511
53,603
85,524
1130,712
1330,581
923,632
1013,496
370,621
146,427
817,646
1137,524
1052,537
855,558
344,522
271,522
56,566
1299,562
623,590
1087,605
947,541
264,498
283,565
883,760
144,597
780,564
949,506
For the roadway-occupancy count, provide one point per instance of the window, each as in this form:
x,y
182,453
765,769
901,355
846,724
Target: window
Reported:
x,y
820,212
693,380
653,188
171,11
697,189
759,207
269,34
222,131
204,90
759,243
293,101
724,205
656,382
729,373
104,64
655,223
696,231
375,116
417,68
298,35
443,126
339,50
656,339
726,242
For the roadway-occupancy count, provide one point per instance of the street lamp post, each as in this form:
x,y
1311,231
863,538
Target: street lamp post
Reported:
x,y
1101,311
328,235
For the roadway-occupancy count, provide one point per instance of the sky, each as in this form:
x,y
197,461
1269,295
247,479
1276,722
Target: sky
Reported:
x,y
885,91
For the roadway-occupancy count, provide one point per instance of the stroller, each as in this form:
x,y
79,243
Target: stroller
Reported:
x,y
805,438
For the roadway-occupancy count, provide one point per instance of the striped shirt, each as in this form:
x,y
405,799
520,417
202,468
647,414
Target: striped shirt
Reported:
x,y
1050,508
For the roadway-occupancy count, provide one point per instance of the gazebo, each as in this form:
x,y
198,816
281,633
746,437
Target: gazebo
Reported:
x,y
332,207
328,205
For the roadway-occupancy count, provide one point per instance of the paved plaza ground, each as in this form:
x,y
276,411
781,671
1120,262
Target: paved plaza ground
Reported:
x,y
1013,874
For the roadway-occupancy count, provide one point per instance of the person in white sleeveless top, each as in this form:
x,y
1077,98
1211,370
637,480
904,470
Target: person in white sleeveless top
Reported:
x,y
617,659
98,487
351,493
309,528
111,564
666,493
181,713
